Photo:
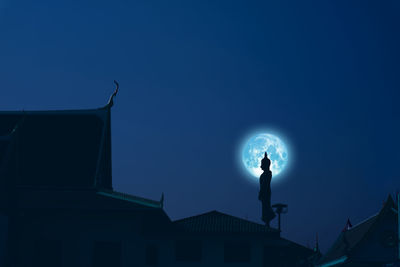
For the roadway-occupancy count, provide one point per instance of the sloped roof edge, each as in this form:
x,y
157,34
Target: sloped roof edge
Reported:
x,y
372,221
211,222
131,198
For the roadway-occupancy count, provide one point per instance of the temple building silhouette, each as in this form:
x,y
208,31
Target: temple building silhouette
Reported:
x,y
58,207
372,242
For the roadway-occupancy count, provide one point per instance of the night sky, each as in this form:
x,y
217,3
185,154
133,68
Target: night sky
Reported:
x,y
196,77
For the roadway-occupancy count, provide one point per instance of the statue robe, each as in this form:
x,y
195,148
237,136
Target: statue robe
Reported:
x,y
265,197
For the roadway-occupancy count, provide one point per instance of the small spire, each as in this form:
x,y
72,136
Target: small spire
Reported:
x,y
348,225
316,249
162,200
111,100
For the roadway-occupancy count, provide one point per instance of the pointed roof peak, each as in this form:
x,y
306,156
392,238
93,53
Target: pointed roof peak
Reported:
x,y
388,204
389,199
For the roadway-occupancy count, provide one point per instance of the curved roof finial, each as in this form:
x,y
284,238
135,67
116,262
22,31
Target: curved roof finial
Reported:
x,y
111,100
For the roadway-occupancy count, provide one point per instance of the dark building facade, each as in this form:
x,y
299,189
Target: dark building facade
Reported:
x,y
58,207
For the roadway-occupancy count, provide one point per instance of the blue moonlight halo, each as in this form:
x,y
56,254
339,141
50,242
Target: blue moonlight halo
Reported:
x,y
254,149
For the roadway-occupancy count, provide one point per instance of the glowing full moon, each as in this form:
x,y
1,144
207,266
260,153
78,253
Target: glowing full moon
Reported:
x,y
254,149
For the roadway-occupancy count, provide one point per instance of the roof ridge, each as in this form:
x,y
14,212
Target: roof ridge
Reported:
x,y
364,221
221,213
246,220
366,234
339,239
128,197
379,215
198,215
389,200
373,222
216,221
332,248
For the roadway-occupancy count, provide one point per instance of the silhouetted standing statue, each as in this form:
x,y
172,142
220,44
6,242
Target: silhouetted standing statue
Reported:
x,y
265,191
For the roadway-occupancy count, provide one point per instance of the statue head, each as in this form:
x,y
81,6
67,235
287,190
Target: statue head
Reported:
x,y
265,162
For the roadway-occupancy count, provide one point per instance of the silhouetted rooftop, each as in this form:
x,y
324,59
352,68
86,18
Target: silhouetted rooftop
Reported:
x,y
218,222
130,198
350,239
50,200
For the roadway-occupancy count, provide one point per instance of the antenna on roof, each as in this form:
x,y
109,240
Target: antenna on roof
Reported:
x,y
111,100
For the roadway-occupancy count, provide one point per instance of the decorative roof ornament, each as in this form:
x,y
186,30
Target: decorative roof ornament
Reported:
x,y
316,248
348,225
162,200
111,100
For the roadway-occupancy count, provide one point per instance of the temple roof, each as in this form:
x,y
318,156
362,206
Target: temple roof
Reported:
x,y
349,240
57,160
218,222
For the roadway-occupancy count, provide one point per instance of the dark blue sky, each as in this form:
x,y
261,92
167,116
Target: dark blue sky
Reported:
x,y
198,76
